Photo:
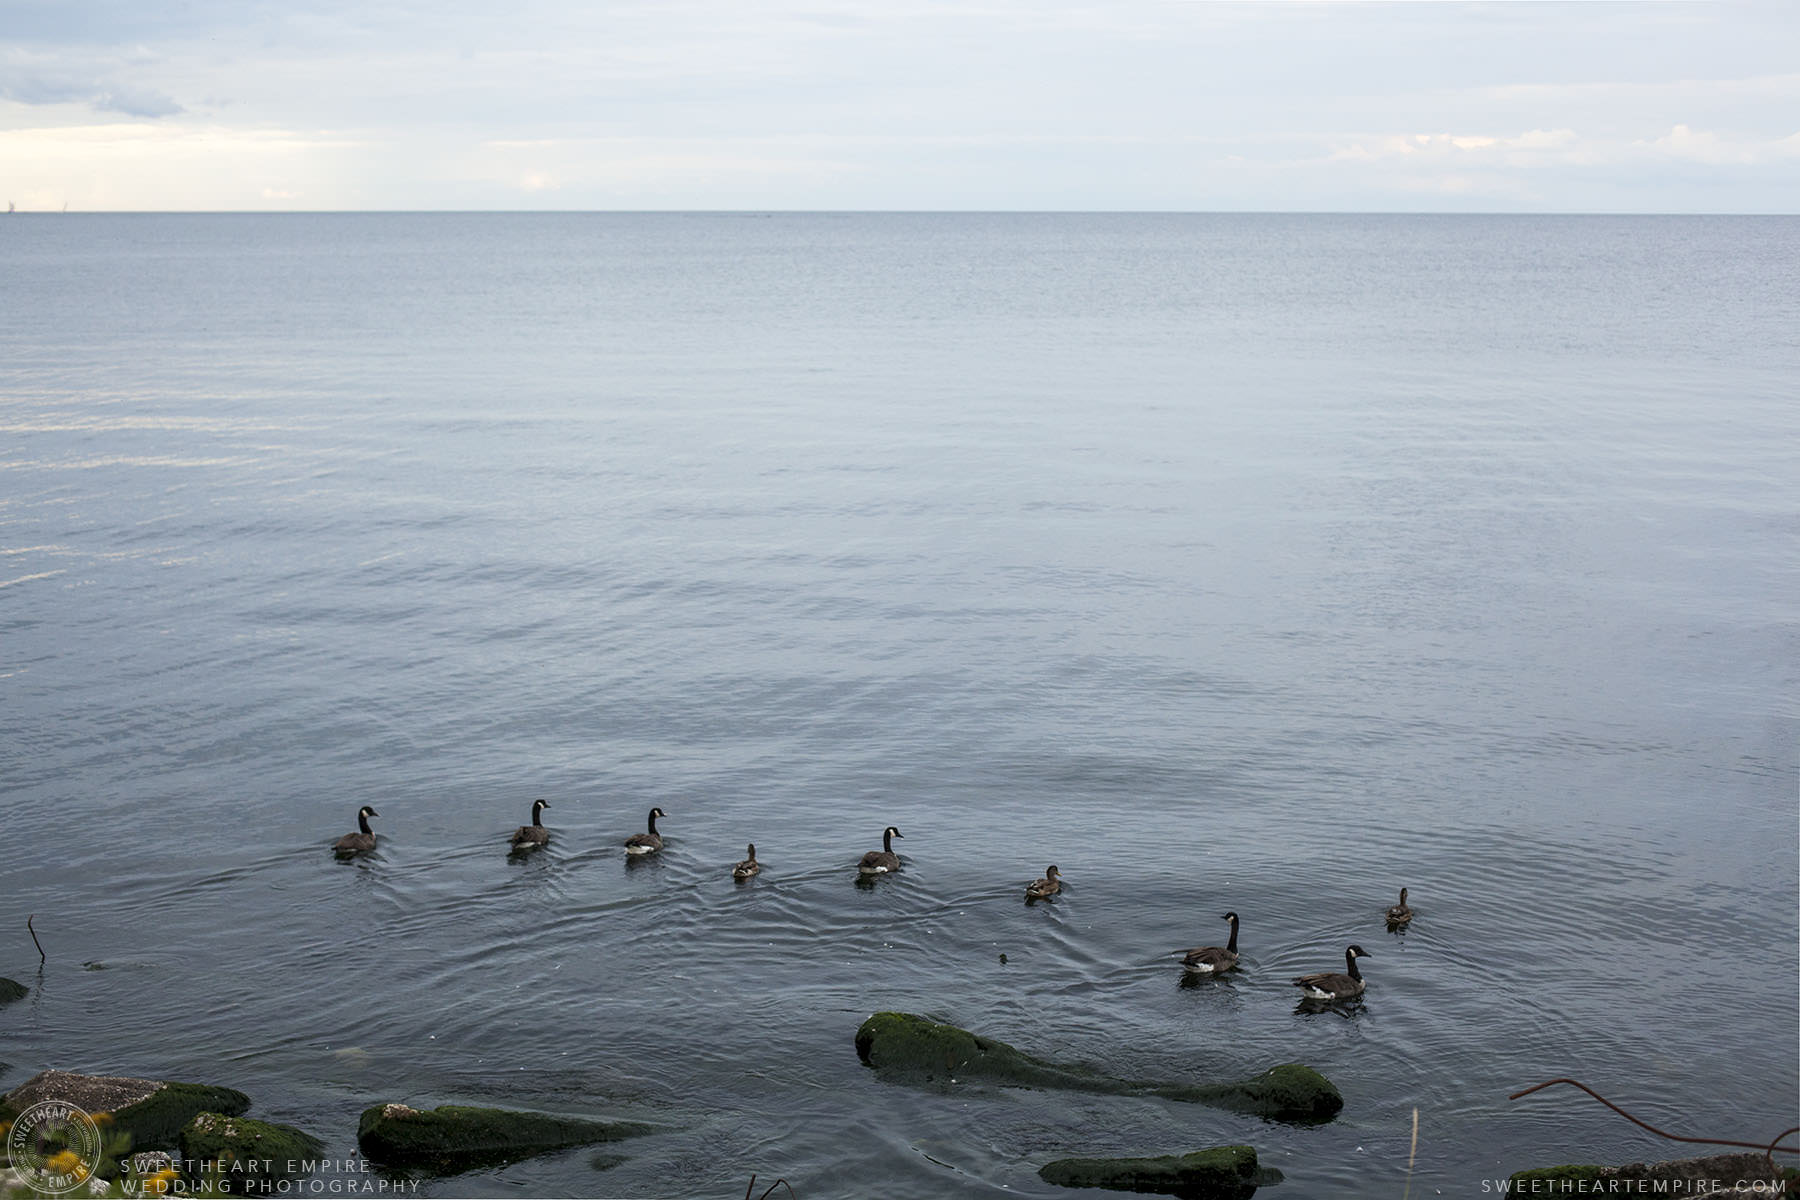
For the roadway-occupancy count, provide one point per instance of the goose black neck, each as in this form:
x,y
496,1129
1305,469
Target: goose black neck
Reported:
x,y
1350,961
1231,945
887,841
362,822
652,820
537,814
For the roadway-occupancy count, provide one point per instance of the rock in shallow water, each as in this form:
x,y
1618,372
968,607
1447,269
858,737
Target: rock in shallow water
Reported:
x,y
457,1137
1714,1175
152,1111
251,1156
1222,1173
911,1049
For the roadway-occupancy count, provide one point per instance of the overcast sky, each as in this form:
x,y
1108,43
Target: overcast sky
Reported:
x,y
1519,105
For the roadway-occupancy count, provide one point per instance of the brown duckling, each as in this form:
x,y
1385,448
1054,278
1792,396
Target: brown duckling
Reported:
x,y
1400,913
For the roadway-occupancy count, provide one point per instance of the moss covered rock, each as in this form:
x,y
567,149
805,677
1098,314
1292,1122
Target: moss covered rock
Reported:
x,y
10,990
1681,1176
151,1111
1290,1092
245,1156
1222,1173
455,1137
911,1049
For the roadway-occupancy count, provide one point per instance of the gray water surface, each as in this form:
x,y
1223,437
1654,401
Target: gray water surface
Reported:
x,y
1263,563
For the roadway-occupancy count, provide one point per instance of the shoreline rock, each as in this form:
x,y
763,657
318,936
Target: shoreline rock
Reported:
x,y
251,1156
910,1049
1221,1173
1718,1175
11,989
456,1137
152,1111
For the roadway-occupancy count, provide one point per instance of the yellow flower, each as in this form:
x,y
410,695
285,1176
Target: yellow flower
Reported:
x,y
159,1183
101,1118
67,1162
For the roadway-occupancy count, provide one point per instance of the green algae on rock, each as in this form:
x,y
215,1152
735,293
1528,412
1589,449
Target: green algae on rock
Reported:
x,y
247,1156
909,1048
1222,1173
151,1111
1682,1176
456,1137
912,1049
1290,1092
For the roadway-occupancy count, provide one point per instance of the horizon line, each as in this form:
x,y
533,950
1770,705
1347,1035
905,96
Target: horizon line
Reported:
x,y
1043,212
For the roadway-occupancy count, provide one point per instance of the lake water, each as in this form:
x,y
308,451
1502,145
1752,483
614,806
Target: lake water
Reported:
x,y
1263,563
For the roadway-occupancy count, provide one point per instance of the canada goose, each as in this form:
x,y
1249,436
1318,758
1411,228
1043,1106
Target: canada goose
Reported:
x,y
1211,960
533,834
880,862
749,866
363,839
646,843
1401,913
1039,889
1331,985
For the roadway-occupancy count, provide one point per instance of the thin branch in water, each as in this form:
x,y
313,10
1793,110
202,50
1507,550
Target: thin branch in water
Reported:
x,y
765,1196
1768,1149
34,940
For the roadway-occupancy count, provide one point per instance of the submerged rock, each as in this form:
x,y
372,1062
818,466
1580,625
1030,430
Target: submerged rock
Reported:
x,y
151,1111
456,1137
1289,1092
911,1049
247,1157
10,990
1222,1173
1713,1175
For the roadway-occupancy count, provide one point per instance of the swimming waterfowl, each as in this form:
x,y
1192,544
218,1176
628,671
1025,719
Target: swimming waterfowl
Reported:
x,y
880,862
646,843
749,866
533,834
1211,960
1400,913
1049,885
1333,985
363,839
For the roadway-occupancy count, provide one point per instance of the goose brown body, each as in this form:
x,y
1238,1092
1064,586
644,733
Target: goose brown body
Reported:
x,y
1210,960
1335,985
646,843
749,866
364,837
1049,885
884,860
533,834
